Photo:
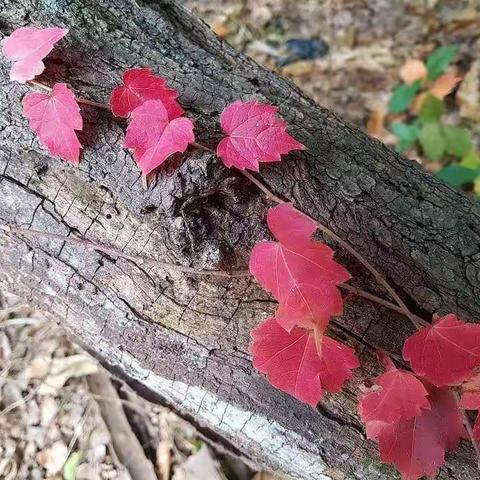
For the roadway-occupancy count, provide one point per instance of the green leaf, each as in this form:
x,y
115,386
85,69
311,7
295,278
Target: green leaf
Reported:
x,y
432,141
471,160
432,109
402,96
456,175
406,134
71,465
458,141
439,60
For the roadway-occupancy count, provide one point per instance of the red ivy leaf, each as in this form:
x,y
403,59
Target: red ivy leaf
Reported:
x,y
255,134
292,363
397,395
417,446
299,272
54,117
154,137
27,47
140,85
445,353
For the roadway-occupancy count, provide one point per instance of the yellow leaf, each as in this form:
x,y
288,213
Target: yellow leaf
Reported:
x,y
413,70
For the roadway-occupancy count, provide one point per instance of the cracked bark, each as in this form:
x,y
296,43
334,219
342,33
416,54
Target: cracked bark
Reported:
x,y
184,340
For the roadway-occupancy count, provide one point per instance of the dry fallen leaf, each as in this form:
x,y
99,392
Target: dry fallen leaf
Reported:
x,y
444,85
375,123
413,70
199,466
468,95
38,367
53,458
298,69
63,368
221,29
48,411
5,349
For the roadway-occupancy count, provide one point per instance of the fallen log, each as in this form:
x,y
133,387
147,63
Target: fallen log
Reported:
x,y
182,338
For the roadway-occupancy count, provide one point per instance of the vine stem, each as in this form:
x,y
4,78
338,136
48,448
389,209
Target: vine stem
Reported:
x,y
119,253
151,261
417,321
392,306
91,103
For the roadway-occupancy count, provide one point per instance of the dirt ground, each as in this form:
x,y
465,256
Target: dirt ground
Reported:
x,y
346,55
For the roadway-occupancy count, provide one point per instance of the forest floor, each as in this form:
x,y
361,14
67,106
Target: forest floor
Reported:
x,y
347,56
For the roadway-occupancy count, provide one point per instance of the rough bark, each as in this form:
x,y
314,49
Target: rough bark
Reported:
x,y
184,339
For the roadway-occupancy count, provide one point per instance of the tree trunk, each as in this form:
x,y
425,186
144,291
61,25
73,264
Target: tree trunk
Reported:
x,y
183,339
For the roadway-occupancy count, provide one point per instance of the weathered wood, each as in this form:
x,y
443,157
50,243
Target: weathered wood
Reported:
x,y
184,339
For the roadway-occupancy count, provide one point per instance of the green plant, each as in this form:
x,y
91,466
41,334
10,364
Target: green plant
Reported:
x,y
418,108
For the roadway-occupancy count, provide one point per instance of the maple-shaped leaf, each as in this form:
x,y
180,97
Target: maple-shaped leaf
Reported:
x,y
292,363
299,272
255,134
140,85
417,446
396,395
154,137
54,117
445,353
27,47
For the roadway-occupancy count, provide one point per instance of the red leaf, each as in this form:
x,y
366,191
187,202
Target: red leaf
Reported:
x,y
299,272
154,137
445,353
54,117
417,446
255,134
27,47
292,363
397,395
140,85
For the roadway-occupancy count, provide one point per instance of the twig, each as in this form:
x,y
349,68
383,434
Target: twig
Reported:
x,y
19,402
77,432
103,106
269,194
151,261
118,253
468,426
125,443
18,322
380,301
